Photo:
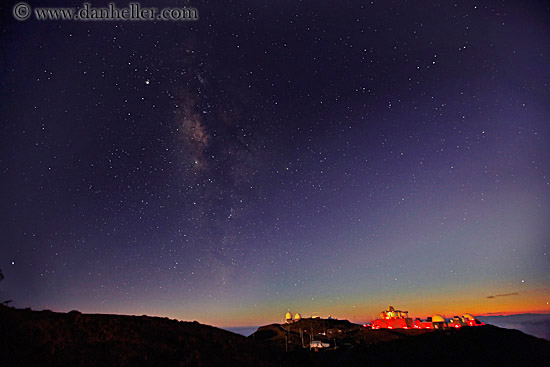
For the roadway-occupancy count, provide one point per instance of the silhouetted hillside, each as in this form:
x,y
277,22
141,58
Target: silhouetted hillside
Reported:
x,y
354,345
45,338
479,346
338,333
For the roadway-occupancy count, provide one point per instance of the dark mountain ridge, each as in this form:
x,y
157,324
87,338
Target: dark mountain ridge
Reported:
x,y
45,338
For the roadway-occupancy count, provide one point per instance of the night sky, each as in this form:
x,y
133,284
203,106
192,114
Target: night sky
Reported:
x,y
327,157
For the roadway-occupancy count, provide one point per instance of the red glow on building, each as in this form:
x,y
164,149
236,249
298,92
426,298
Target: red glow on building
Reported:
x,y
396,319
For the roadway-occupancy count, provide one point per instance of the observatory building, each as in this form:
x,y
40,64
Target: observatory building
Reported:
x,y
288,318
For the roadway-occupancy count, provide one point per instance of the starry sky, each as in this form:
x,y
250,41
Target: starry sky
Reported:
x,y
318,156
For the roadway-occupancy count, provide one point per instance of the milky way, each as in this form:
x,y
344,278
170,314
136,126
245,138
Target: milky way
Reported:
x,y
319,157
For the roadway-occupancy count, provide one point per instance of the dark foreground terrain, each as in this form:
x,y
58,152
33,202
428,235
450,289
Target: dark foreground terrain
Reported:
x,y
44,338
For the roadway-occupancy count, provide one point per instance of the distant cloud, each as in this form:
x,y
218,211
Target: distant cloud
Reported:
x,y
504,295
